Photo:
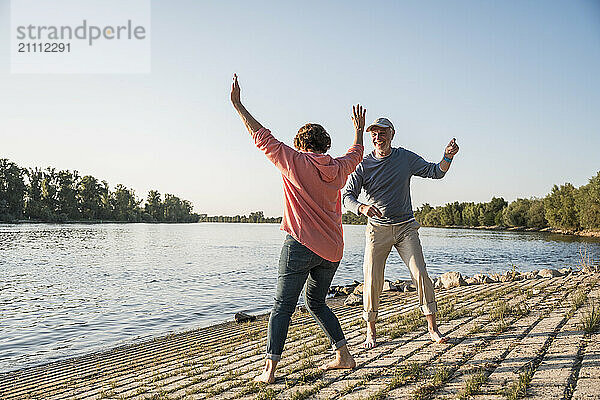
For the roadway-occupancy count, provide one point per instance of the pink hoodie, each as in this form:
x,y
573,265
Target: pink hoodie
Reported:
x,y
311,187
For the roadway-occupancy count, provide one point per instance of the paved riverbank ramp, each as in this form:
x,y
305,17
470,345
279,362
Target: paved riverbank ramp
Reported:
x,y
535,338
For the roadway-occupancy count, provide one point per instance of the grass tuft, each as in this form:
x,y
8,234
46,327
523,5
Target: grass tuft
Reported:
x,y
266,394
475,329
404,374
591,319
447,311
577,299
519,388
441,375
472,385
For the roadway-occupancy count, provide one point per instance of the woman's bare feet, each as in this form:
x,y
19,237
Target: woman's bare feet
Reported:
x,y
343,360
371,340
268,374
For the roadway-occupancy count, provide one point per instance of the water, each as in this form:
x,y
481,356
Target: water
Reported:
x,y
68,290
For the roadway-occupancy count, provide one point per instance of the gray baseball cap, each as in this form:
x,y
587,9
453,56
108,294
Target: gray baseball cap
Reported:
x,y
381,122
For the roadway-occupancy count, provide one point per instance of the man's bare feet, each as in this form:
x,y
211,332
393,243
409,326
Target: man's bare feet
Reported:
x,y
268,374
343,360
371,339
437,337
434,332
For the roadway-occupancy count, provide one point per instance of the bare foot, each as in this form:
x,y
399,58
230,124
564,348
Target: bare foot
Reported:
x,y
437,337
265,377
339,364
370,340
268,374
343,360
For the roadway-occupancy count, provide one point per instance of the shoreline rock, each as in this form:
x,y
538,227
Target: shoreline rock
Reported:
x,y
569,232
453,279
241,317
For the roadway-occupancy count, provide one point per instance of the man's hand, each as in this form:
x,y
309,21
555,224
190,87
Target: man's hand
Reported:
x,y
451,149
235,91
370,211
358,117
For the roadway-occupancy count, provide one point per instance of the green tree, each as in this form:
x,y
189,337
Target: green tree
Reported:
x,y
176,210
348,218
124,205
433,218
535,217
88,195
49,186
587,204
12,191
154,206
516,213
492,212
560,207
470,214
67,194
421,212
33,197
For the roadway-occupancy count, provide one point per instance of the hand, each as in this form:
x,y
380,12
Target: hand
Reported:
x,y
358,117
235,91
369,211
451,149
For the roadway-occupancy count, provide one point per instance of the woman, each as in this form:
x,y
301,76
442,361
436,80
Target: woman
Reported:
x,y
312,218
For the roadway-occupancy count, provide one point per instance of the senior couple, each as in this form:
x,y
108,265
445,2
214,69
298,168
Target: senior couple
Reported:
x,y
313,248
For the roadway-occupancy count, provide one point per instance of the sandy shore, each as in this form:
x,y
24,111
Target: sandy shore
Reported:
x,y
507,340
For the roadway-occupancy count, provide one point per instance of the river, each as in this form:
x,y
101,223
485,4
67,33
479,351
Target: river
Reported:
x,y
67,290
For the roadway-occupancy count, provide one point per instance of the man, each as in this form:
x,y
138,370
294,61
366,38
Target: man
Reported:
x,y
385,176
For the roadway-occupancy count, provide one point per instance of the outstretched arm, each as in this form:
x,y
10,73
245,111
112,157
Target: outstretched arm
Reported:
x,y
449,153
251,124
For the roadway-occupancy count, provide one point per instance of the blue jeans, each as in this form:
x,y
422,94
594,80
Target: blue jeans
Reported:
x,y
298,265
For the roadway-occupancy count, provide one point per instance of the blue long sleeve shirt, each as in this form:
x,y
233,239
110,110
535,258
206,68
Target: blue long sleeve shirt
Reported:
x,y
386,182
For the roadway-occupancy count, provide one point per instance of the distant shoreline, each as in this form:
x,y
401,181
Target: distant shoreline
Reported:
x,y
580,233
95,222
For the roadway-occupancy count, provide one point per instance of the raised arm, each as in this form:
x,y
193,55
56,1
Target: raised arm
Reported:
x,y
251,124
449,154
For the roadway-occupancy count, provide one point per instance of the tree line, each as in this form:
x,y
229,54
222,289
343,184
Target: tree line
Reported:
x,y
49,195
256,217
565,207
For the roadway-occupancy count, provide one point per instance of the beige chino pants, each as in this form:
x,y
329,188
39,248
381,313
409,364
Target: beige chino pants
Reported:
x,y
380,240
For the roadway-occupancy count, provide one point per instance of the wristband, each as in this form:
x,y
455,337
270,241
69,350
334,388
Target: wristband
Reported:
x,y
448,160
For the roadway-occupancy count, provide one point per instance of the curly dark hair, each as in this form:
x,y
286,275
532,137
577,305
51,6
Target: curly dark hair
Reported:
x,y
312,137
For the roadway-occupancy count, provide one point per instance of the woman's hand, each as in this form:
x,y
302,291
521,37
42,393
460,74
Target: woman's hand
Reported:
x,y
235,91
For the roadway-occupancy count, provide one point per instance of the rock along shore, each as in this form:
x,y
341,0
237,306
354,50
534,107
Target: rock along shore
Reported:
x,y
570,232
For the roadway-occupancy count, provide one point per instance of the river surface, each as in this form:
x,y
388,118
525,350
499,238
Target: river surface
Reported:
x,y
68,290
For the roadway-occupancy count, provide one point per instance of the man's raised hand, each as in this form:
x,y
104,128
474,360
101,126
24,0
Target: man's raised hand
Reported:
x,y
451,149
235,91
358,117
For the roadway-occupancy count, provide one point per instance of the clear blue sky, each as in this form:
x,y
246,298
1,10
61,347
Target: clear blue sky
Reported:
x,y
517,83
